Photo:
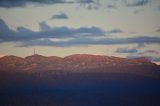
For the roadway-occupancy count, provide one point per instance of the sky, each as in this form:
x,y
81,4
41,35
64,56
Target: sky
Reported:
x,y
122,28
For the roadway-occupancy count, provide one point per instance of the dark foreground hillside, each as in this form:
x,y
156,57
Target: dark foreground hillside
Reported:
x,y
78,89
78,80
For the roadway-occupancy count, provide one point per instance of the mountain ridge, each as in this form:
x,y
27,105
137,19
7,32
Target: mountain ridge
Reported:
x,y
78,63
71,62
73,55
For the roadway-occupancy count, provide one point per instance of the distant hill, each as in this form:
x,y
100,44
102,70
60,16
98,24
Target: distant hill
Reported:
x,y
79,63
72,62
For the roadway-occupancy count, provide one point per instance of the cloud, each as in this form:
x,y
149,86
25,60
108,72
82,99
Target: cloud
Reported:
x,y
151,55
89,4
151,58
148,52
86,1
135,3
80,36
5,32
158,30
115,4
129,3
126,50
93,6
111,6
91,41
116,30
134,50
21,3
24,34
60,16
44,26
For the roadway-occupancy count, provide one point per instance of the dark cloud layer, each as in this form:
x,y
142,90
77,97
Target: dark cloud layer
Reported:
x,y
60,16
90,41
126,50
24,34
21,3
134,3
113,4
91,4
116,30
79,36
